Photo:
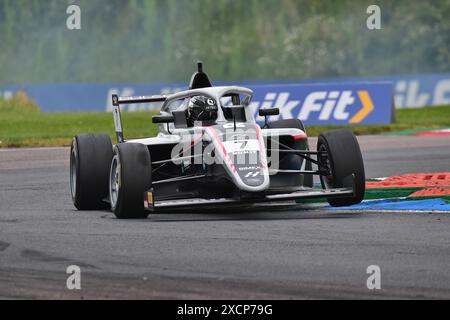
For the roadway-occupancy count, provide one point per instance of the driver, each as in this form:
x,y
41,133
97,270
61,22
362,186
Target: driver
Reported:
x,y
201,108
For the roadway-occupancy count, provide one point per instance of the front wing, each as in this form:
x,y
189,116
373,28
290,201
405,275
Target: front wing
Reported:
x,y
151,204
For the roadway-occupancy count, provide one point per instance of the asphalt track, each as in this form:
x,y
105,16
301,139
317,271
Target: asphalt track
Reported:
x,y
273,253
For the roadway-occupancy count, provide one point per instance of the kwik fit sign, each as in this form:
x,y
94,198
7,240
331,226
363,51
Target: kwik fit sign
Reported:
x,y
327,104
314,104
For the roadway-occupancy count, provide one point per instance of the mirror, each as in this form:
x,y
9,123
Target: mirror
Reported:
x,y
269,112
163,119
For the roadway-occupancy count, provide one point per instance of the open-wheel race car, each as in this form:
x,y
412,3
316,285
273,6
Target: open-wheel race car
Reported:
x,y
211,151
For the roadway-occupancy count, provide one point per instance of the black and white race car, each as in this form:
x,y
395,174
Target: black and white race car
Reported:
x,y
211,151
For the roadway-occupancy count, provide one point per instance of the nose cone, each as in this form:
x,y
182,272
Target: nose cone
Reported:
x,y
243,154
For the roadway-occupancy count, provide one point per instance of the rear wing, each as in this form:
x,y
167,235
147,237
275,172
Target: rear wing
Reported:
x,y
117,101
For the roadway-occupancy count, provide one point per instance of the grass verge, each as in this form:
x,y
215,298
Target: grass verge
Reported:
x,y
22,125
57,129
407,119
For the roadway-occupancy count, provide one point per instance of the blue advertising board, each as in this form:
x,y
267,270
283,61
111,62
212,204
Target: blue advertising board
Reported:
x,y
349,103
325,104
413,91
86,97
410,91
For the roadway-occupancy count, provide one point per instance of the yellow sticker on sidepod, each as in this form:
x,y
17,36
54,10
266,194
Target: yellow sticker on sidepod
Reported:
x,y
150,197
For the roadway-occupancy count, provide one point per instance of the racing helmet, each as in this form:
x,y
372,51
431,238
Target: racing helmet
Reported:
x,y
201,108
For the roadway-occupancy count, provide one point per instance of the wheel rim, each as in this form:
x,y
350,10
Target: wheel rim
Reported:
x,y
73,173
324,161
114,181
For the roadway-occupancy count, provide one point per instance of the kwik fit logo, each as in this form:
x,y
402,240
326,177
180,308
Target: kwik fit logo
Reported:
x,y
320,106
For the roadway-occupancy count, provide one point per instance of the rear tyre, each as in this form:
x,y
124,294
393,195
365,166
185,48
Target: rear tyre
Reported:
x,y
130,176
344,164
90,157
292,161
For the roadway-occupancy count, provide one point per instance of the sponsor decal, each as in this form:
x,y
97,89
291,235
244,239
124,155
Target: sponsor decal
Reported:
x,y
249,168
252,174
150,198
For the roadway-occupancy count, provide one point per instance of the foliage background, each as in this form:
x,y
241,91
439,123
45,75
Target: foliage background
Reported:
x,y
157,40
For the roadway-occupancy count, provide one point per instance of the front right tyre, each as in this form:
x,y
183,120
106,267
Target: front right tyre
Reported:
x,y
130,176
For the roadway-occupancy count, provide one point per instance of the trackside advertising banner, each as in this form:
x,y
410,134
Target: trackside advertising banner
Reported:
x,y
350,103
325,104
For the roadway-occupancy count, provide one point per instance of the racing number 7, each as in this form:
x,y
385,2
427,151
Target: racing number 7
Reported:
x,y
244,144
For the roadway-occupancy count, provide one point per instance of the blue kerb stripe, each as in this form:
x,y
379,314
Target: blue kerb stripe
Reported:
x,y
415,205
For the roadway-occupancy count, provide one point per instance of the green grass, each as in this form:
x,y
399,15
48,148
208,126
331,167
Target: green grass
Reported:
x,y
407,119
20,129
22,125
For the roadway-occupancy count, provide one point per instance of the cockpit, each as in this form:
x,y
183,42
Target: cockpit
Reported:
x,y
233,104
206,105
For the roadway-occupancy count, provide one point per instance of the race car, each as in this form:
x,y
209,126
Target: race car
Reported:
x,y
213,148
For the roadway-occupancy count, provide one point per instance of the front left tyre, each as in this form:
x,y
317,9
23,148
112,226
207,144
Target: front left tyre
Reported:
x,y
90,158
130,176
340,157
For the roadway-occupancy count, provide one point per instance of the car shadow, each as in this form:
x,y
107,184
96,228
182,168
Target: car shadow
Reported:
x,y
292,212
